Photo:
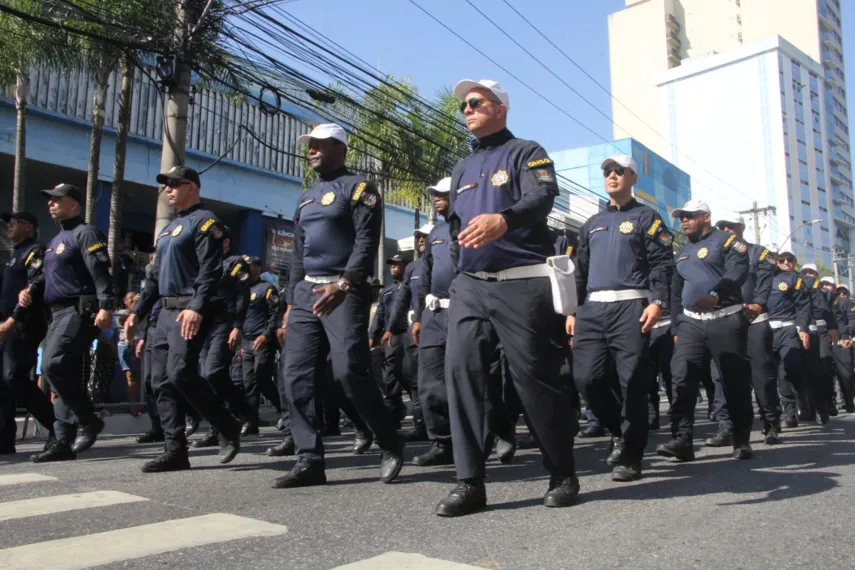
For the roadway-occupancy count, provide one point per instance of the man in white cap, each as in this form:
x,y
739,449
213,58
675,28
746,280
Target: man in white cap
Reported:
x,y
623,273
500,198
764,371
789,309
336,235
707,311
819,356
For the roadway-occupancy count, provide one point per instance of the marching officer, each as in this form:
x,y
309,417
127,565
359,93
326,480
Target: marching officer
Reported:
x,y
229,311
820,361
706,302
764,372
187,271
840,368
623,269
155,434
259,345
21,332
393,349
336,234
661,351
843,352
500,198
76,287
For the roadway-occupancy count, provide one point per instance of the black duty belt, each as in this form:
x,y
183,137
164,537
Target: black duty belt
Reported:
x,y
176,302
84,303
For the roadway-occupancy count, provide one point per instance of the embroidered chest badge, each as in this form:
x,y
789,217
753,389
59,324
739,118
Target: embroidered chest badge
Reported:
x,y
328,198
626,228
499,178
252,297
12,261
703,252
782,286
177,231
60,248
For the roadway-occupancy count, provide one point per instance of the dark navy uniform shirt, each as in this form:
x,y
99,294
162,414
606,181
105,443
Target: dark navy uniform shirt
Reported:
x,y
23,269
789,299
336,229
840,308
563,246
820,306
262,313
439,267
232,288
384,313
625,248
849,308
189,261
508,176
716,262
407,298
761,271
76,264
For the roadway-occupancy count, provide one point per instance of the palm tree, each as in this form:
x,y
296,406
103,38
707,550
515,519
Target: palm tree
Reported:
x,y
124,125
24,44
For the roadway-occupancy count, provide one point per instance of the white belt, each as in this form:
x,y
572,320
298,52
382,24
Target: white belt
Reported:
x,y
664,323
435,303
781,324
727,311
410,315
322,278
525,272
761,318
819,323
812,328
615,296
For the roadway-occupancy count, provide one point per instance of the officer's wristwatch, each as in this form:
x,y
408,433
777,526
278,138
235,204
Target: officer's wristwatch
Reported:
x,y
343,284
657,302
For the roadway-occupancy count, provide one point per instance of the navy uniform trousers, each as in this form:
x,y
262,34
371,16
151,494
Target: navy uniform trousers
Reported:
x,y
344,334
661,352
822,370
433,395
610,334
150,399
725,340
845,375
177,383
790,363
216,362
764,377
258,378
69,337
517,314
20,352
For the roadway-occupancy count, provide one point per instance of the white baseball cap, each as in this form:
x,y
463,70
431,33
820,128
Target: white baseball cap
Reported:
x,y
731,219
621,160
325,131
690,207
787,252
810,267
424,230
441,187
467,85
827,279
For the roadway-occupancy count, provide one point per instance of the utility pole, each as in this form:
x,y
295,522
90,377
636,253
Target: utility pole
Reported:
x,y
755,213
834,260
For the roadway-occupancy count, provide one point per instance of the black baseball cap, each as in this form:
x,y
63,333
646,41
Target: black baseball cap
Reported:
x,y
397,258
177,172
253,260
23,216
61,190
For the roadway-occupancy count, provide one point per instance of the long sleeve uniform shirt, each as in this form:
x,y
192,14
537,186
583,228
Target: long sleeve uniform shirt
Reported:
x,y
789,299
262,313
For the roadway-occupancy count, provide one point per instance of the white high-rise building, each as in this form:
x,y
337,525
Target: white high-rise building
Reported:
x,y
678,62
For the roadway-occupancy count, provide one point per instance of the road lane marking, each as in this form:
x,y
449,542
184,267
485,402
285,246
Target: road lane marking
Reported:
x,y
63,503
22,478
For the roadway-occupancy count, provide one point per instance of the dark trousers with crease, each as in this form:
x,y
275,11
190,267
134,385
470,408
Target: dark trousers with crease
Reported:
x,y
661,352
845,374
344,336
150,400
517,314
20,352
258,377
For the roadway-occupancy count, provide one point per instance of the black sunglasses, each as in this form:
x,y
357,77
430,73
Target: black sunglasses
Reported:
x,y
176,183
786,259
619,170
692,215
473,102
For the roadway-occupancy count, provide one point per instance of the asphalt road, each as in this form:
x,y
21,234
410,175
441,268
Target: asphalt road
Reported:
x,y
791,506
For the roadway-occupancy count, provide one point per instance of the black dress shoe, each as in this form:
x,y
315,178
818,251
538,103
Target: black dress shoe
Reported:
x,y
722,438
593,430
391,461
172,460
249,429
615,451
56,451
680,449
742,451
791,422
285,448
506,449
653,423
229,447
563,492
7,448
771,437
416,433
824,417
362,442
191,427
210,439
150,437
626,472
435,456
832,411
303,474
467,497
527,441
88,435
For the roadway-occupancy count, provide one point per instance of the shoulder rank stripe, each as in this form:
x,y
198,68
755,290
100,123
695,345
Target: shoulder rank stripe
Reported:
x,y
539,162
236,269
654,227
815,284
798,283
730,240
267,295
207,225
29,258
764,254
358,192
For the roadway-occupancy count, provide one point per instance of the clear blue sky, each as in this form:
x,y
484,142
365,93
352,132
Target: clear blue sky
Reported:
x,y
405,42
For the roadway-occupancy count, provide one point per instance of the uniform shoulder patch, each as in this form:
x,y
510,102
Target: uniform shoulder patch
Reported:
x,y
539,162
368,199
236,269
569,251
96,247
798,283
740,246
654,227
28,259
764,254
207,225
815,284
212,227
729,240
269,292
357,193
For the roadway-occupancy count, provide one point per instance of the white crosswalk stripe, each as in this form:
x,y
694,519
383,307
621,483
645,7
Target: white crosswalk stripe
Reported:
x,y
63,503
21,478
404,561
